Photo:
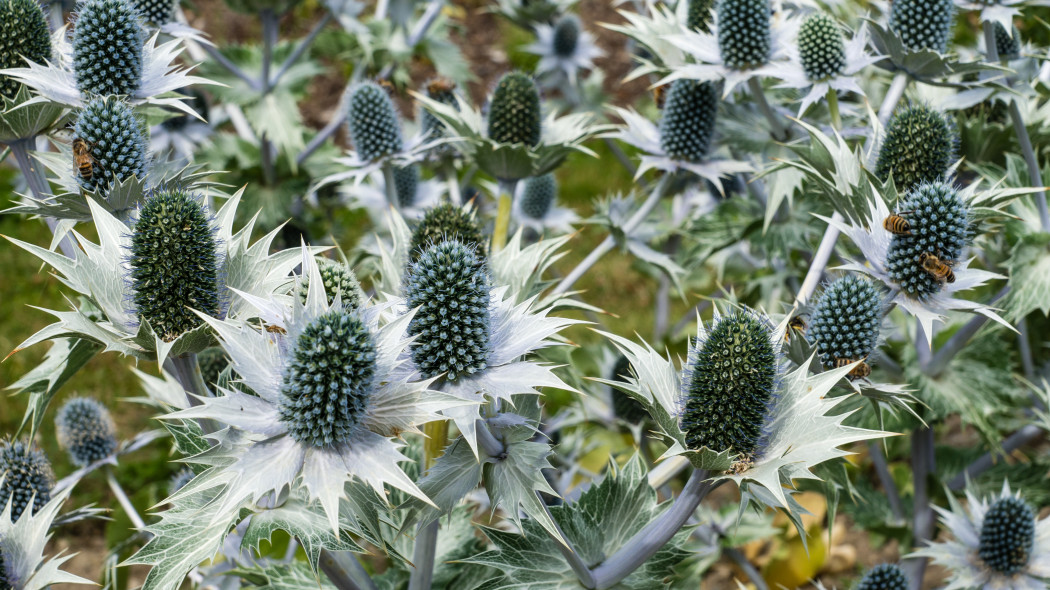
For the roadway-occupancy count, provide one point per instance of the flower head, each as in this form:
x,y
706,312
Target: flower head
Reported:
x,y
112,136
698,17
536,205
373,123
919,146
998,544
174,263
624,406
448,222
824,61
23,36
939,225
107,48
564,48
25,478
514,111
688,122
86,430
743,34
887,576
339,281
406,185
820,46
1007,44
157,12
923,24
846,320
22,542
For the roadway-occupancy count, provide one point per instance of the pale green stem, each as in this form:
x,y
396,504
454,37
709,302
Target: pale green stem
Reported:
x,y
833,109
301,48
391,186
506,201
426,542
124,501
780,132
820,261
893,96
448,168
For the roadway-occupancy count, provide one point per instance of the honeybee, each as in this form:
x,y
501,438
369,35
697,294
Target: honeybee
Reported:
x,y
741,466
82,159
797,324
386,85
440,85
660,94
938,269
275,329
897,224
861,371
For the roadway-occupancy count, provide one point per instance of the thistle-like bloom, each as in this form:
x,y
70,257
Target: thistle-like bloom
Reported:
x,y
624,406
25,479
333,391
914,289
923,24
339,281
472,337
536,206
732,410
683,139
112,134
514,111
918,146
1002,12
846,320
743,42
107,48
23,36
998,544
824,62
887,576
448,222
157,12
22,541
1007,44
564,48
86,430
414,195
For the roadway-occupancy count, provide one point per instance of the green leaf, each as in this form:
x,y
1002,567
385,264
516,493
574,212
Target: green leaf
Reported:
x,y
453,475
24,116
65,357
1029,266
303,520
291,576
513,481
189,439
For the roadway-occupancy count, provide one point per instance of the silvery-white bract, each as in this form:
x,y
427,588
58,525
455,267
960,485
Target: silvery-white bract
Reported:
x,y
258,454
793,75
582,57
371,196
557,219
22,548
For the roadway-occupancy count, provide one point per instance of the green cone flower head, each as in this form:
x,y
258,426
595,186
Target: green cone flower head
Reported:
x,y
845,322
173,263
27,477
820,47
114,138
919,146
538,196
730,386
373,123
450,286
514,112
743,33
1007,536
1007,45
86,430
328,379
23,35
107,48
158,12
406,185
939,225
624,406
566,35
887,576
448,222
699,16
337,278
923,24
441,90
688,121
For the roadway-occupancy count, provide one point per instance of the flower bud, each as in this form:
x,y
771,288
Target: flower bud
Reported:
x,y
113,138
887,576
923,24
538,196
1007,536
743,33
820,47
845,322
939,225
337,278
919,147
374,127
448,222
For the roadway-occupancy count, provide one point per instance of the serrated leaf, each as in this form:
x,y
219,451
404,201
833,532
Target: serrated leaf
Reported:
x,y
513,481
453,475
302,520
1029,266
188,437
65,357
282,576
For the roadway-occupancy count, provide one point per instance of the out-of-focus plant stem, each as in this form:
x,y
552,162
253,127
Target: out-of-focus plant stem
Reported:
x,y
33,172
502,226
344,571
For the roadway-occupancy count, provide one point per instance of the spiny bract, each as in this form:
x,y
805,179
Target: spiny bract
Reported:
x,y
1007,536
919,146
337,277
86,430
939,225
538,196
820,47
23,35
448,222
1006,45
114,138
845,321
688,120
730,386
514,112
107,48
624,406
887,576
406,184
450,286
923,24
158,12
374,127
173,263
566,36
26,475
698,17
743,33
328,380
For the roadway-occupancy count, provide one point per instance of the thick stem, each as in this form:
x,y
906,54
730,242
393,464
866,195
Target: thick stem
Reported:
x,y
1021,438
344,571
666,470
1027,365
749,570
889,487
491,446
322,136
780,132
820,261
269,34
502,226
300,49
833,109
646,542
569,552
266,160
391,186
38,185
124,501
893,96
1034,175
423,557
214,53
608,243
923,466
621,157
